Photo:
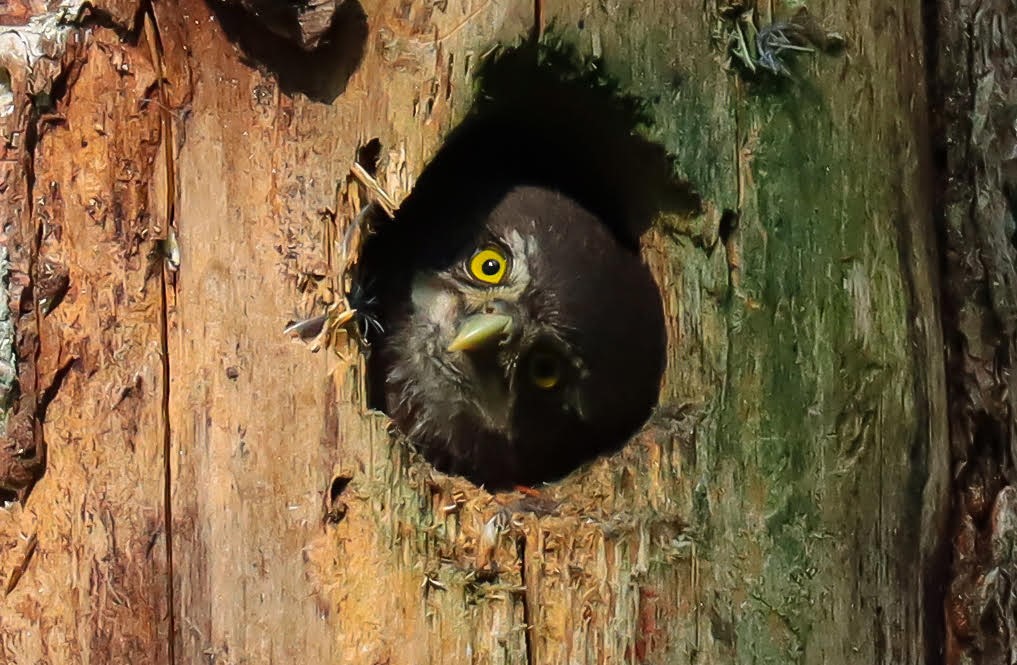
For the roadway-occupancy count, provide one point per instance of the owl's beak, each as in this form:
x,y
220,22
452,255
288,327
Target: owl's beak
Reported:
x,y
481,330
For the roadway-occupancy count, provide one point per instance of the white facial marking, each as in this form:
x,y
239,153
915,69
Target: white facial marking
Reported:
x,y
524,251
432,298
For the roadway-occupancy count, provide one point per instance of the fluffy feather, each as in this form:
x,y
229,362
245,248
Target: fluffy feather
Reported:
x,y
576,295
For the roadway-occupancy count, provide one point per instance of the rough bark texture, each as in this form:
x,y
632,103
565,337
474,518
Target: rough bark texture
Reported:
x,y
84,559
215,493
975,64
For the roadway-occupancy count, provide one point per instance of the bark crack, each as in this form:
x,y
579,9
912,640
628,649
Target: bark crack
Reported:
x,y
936,569
168,467
527,609
147,25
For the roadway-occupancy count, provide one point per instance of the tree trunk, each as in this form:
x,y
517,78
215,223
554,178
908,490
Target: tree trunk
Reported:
x,y
214,492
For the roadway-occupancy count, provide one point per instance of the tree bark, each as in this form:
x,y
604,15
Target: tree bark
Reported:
x,y
214,492
974,62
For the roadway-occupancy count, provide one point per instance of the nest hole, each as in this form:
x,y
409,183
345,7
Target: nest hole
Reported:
x,y
335,509
543,121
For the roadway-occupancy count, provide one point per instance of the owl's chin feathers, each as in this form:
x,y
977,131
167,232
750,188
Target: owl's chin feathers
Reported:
x,y
454,431
434,394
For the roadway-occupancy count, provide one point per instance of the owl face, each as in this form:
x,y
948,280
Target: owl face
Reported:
x,y
532,343
498,337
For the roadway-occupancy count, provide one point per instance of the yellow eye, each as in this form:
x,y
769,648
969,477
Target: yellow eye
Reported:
x,y
489,265
545,370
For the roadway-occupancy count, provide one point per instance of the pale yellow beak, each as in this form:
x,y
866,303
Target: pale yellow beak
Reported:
x,y
481,330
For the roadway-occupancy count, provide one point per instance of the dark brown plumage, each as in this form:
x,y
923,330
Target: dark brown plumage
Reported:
x,y
521,338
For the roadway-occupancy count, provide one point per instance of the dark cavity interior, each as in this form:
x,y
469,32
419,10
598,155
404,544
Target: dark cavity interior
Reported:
x,y
541,118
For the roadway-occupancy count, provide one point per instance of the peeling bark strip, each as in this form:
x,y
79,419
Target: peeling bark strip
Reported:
x,y
975,73
781,506
37,55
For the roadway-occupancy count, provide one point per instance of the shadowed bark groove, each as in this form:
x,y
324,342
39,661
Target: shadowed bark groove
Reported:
x,y
974,68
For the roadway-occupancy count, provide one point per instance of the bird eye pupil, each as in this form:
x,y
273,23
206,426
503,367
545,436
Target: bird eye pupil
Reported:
x,y
490,267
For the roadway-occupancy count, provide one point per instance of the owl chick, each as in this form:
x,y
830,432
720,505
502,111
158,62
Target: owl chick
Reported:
x,y
521,339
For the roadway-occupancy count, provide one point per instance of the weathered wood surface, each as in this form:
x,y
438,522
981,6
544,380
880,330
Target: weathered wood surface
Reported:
x,y
783,506
84,561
